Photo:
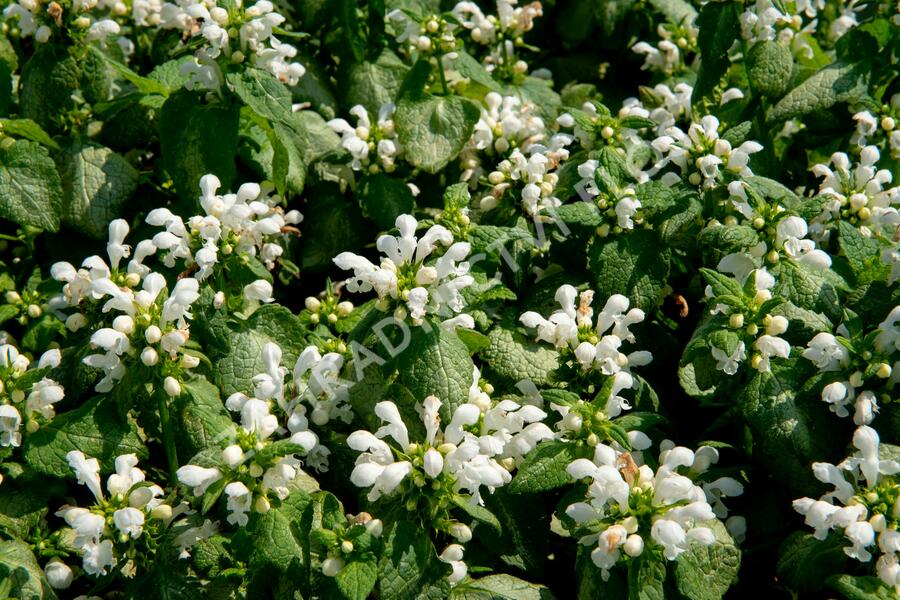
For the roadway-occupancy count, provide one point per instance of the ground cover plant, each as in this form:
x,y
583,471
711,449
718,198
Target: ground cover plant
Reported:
x,y
420,299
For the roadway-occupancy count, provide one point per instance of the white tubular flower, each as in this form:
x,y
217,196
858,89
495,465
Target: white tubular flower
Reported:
x,y
87,471
259,291
453,556
126,475
98,558
10,421
888,338
129,521
826,352
239,502
729,363
789,238
198,478
768,347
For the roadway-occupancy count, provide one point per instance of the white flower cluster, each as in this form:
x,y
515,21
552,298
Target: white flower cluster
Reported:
x,y
30,403
250,483
667,56
594,346
506,123
254,26
621,207
863,505
372,149
700,154
152,321
502,33
248,223
769,21
533,177
859,194
453,455
629,507
856,384
871,128
403,277
106,531
761,334
96,20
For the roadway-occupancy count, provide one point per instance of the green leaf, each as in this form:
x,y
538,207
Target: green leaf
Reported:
x,y
706,572
433,129
635,265
678,12
201,418
30,186
838,82
646,576
46,85
23,507
513,358
719,27
196,139
436,362
861,588
19,568
144,85
790,432
372,84
863,253
812,289
241,360
769,67
263,93
96,184
478,513
805,563
28,129
94,428
500,587
384,198
409,567
544,468
357,579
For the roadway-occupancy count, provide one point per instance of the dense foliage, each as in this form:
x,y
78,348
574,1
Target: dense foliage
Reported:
x,y
420,299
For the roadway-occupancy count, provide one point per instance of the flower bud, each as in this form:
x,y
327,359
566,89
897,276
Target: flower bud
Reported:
x,y
344,308
776,325
34,311
152,334
219,300
58,574
346,546
375,527
884,370
331,566
123,324
149,356
736,321
233,455
262,505
460,531
172,387
162,512
13,297
313,304
634,545
189,361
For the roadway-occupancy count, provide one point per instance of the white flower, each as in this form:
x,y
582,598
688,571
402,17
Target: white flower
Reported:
x,y
729,363
260,291
789,234
98,557
10,421
87,471
826,352
239,501
453,555
770,346
198,478
129,521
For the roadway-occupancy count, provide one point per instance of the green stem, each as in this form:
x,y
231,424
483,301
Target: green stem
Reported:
x,y
168,440
443,77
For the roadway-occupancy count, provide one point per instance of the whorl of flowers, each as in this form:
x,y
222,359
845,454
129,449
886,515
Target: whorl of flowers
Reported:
x,y
26,402
630,509
863,506
408,278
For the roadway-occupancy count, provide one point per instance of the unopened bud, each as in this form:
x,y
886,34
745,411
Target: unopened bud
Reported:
x,y
149,356
172,387
262,505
